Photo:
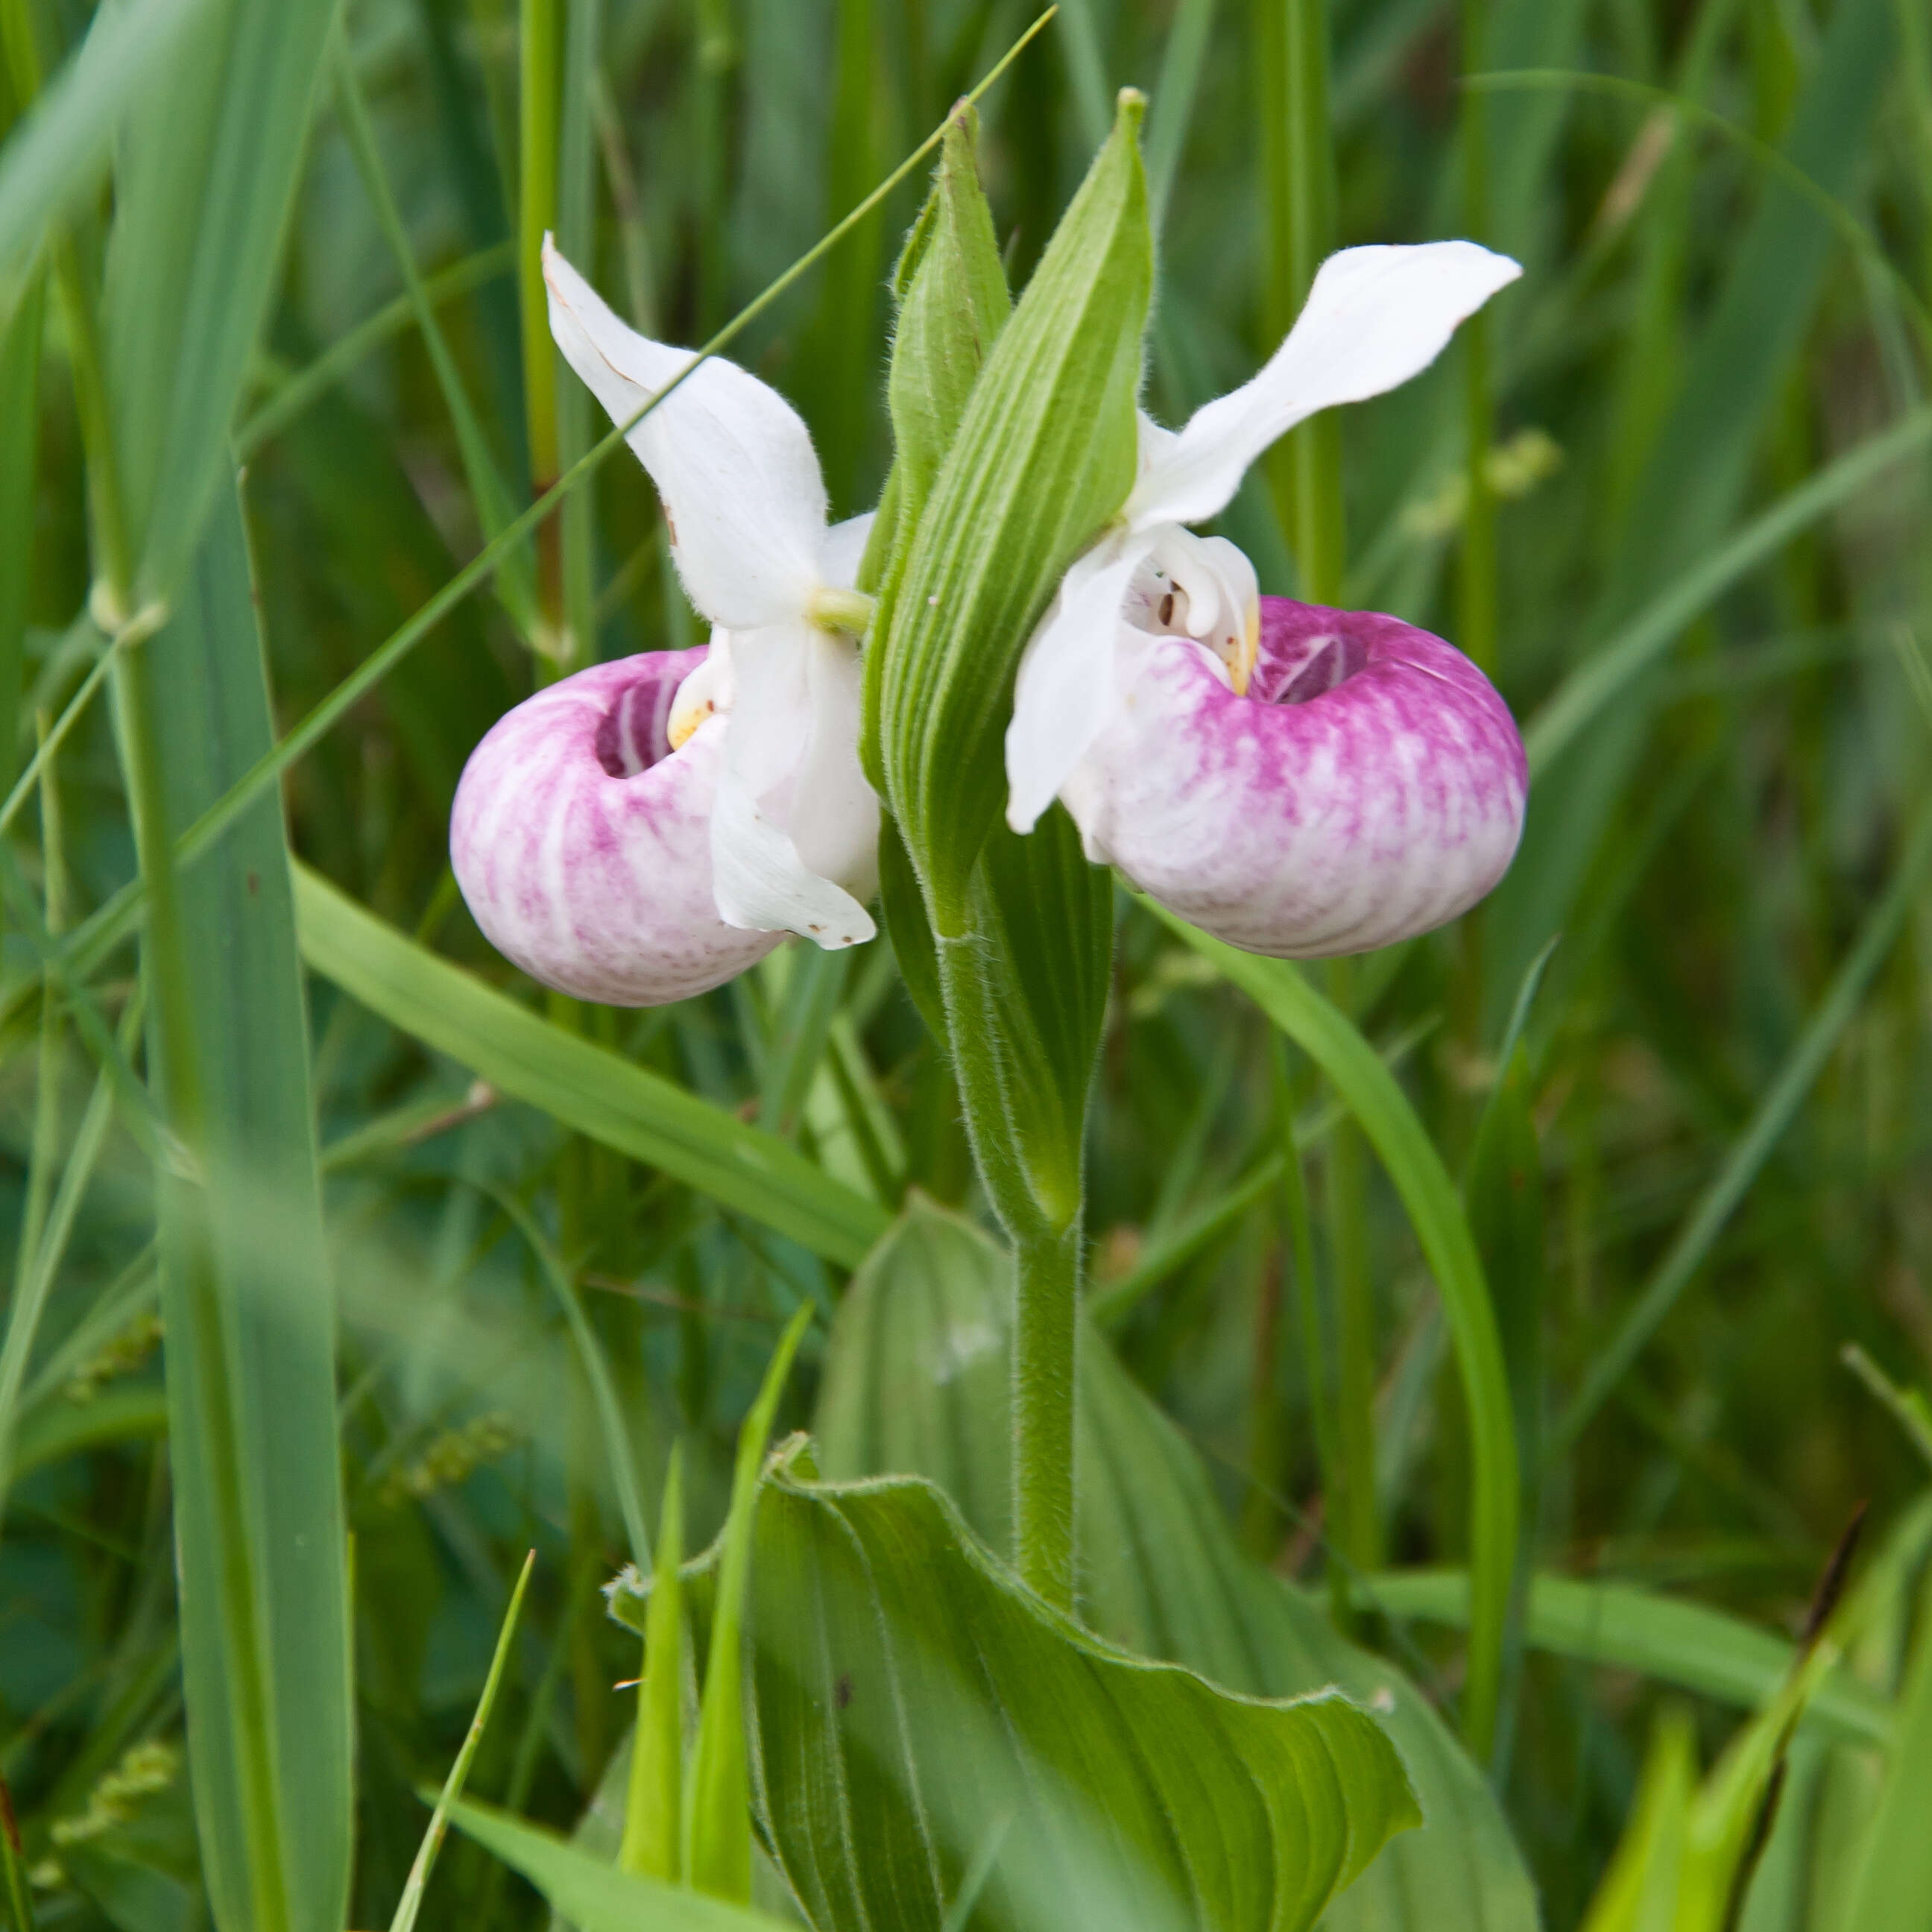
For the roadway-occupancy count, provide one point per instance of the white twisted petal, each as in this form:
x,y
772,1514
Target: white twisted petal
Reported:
x,y
743,497
1374,318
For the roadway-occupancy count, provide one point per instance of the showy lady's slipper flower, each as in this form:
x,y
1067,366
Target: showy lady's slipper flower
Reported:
x,y
647,829
1300,782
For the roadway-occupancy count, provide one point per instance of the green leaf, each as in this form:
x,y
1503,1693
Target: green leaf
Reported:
x,y
205,177
592,1895
248,1306
410,1903
718,1833
582,1086
1622,1627
1436,1212
916,1705
916,1379
1045,455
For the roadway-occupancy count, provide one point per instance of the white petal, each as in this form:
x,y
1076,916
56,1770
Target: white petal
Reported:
x,y
1374,318
1065,688
743,495
843,549
760,880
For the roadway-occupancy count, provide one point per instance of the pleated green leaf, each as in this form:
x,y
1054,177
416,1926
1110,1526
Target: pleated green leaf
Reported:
x,y
923,1724
248,1306
1044,456
583,1087
917,1378
205,177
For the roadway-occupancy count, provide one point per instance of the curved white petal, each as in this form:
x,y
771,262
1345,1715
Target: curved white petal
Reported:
x,y
843,549
743,498
1374,318
1065,688
760,879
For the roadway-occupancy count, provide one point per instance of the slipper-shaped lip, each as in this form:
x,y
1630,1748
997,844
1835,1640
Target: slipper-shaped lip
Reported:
x,y
596,882
1370,786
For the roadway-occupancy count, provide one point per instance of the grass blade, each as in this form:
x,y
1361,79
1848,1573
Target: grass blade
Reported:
x,y
1753,1147
1436,1212
247,1303
410,1903
1578,702
583,1086
653,1844
204,181
718,1825
1624,1628
60,151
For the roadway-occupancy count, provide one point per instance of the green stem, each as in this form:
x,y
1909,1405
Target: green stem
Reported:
x,y
1044,1342
1046,1238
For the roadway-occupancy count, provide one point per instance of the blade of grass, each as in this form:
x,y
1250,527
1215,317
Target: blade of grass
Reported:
x,y
57,155
654,1797
410,1903
309,384
40,1262
205,178
253,1445
1172,112
584,1087
1435,1213
1581,699
515,585
1753,1147
1621,1628
617,1451
718,1824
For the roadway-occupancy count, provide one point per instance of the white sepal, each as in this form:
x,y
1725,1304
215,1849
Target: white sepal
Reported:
x,y
733,463
1065,688
1375,317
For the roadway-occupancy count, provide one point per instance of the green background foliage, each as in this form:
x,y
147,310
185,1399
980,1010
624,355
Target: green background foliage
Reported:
x,y
268,257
